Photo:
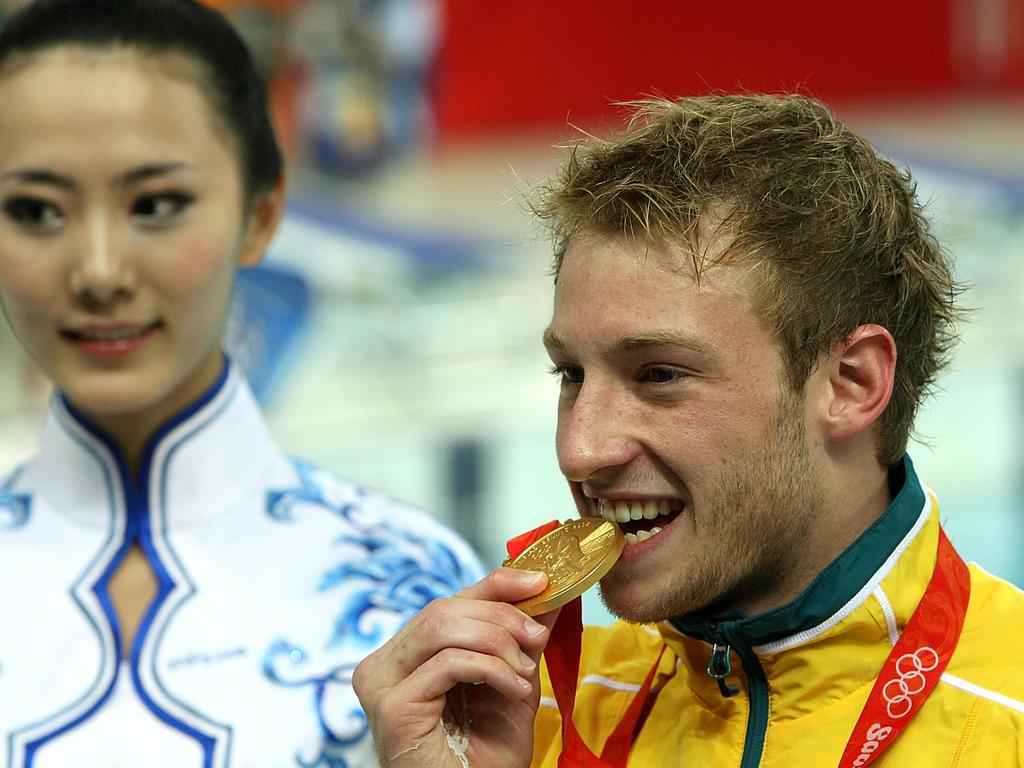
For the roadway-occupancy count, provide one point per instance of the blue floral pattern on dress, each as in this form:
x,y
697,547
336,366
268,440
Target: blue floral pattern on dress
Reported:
x,y
389,574
395,581
284,664
15,508
280,504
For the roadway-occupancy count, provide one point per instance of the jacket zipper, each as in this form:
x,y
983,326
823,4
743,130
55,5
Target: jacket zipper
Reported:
x,y
719,668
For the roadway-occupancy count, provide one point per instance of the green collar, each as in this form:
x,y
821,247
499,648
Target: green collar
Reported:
x,y
832,588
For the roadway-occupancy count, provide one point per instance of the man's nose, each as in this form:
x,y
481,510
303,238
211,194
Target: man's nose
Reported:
x,y
100,270
594,434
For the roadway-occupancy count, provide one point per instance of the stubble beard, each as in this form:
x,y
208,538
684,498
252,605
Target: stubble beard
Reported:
x,y
757,514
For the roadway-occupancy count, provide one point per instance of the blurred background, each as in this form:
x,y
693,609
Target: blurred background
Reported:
x,y
393,332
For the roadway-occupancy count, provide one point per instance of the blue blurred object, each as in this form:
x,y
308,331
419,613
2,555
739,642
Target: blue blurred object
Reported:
x,y
431,255
369,65
269,311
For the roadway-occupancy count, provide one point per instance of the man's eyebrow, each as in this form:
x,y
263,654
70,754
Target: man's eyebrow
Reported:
x,y
663,339
555,341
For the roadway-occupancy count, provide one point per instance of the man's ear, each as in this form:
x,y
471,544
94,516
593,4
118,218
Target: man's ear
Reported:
x,y
265,214
858,379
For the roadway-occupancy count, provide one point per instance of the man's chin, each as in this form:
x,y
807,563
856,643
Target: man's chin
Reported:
x,y
646,609
649,600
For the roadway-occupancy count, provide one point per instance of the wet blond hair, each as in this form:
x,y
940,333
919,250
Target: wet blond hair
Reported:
x,y
834,231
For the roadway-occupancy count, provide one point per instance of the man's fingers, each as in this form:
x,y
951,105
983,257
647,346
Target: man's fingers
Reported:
x,y
452,666
404,718
480,636
496,629
507,585
547,621
475,637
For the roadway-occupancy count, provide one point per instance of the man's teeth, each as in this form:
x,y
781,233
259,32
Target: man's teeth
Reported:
x,y
627,511
624,511
636,538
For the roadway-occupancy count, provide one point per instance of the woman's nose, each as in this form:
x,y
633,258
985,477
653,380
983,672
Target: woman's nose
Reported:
x,y
100,270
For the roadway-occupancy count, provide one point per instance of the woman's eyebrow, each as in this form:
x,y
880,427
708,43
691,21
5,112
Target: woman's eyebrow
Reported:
x,y
143,172
38,176
152,170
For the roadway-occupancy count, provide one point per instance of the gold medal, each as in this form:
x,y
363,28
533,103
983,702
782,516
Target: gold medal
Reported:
x,y
575,556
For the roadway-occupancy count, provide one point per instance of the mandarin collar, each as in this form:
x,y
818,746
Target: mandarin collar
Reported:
x,y
192,468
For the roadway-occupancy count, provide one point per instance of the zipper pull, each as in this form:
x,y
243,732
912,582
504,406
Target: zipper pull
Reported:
x,y
720,667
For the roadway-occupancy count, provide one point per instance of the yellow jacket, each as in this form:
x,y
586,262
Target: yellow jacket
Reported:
x,y
805,670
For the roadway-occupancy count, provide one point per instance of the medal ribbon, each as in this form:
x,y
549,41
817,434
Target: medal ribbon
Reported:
x,y
563,659
909,674
916,662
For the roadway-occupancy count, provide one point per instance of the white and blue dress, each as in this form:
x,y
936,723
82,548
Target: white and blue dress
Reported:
x,y
274,579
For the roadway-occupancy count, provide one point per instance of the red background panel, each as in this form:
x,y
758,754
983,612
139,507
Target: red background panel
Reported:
x,y
542,62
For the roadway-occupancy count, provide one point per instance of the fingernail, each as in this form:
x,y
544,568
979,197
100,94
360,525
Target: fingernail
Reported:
x,y
529,578
528,664
533,628
524,682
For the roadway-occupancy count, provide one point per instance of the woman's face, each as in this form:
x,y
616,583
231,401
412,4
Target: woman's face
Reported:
x,y
122,221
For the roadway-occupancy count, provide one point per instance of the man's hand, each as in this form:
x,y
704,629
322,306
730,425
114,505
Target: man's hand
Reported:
x,y
468,662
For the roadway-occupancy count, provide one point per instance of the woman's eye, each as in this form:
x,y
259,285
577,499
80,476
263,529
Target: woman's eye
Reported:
x,y
569,374
159,208
34,213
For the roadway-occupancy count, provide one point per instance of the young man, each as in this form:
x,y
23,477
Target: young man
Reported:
x,y
749,308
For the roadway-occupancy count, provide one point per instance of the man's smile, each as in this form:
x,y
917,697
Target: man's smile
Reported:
x,y
639,518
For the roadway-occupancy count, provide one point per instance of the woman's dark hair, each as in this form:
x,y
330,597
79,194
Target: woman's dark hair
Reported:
x,y
230,80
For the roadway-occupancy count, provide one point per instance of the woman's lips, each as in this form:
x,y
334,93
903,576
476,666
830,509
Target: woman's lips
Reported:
x,y
115,340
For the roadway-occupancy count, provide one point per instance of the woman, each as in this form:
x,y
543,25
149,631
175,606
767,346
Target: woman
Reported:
x,y
173,591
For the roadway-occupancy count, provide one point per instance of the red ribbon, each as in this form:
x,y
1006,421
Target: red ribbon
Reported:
x,y
916,662
563,659
516,545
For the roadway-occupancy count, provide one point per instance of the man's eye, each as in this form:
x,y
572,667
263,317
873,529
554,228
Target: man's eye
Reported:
x,y
569,374
662,374
35,213
158,208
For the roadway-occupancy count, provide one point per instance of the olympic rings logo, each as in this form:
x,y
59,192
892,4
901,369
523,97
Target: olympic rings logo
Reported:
x,y
910,668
